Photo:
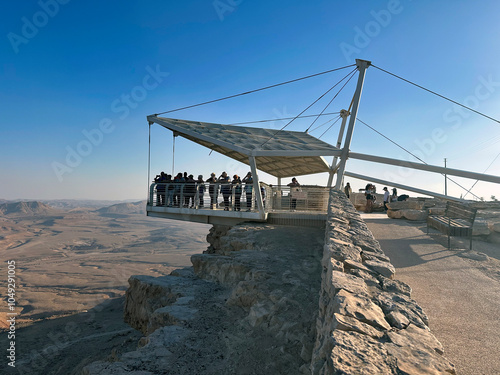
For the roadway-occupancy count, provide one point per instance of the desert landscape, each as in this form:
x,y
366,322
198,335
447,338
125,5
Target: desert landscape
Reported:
x,y
73,260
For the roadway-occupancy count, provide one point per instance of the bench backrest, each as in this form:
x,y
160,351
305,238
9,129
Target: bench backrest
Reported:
x,y
456,210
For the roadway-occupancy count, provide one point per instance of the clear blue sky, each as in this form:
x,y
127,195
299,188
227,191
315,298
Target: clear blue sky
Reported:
x,y
78,78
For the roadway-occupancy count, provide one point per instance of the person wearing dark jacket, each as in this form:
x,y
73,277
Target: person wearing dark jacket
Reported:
x,y
189,192
213,190
237,192
248,180
200,186
225,189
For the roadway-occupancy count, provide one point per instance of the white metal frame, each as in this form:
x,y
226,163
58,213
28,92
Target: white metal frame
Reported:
x,y
322,150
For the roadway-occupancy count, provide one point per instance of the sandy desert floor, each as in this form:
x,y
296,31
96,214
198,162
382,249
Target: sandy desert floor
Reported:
x,y
71,270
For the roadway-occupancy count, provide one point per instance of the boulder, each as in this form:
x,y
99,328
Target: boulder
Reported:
x,y
406,205
437,211
415,215
480,228
394,214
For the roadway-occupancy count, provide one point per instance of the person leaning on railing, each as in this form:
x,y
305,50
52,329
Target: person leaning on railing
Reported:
x,y
189,192
248,180
213,190
237,192
160,188
225,189
200,186
178,181
170,191
294,186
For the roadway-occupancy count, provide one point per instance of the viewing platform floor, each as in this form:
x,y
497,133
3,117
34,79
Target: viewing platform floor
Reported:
x,y
222,217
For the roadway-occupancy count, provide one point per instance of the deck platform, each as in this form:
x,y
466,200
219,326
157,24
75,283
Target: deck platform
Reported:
x,y
221,217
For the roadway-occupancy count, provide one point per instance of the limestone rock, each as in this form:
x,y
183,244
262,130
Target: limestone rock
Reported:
x,y
414,337
480,228
259,313
147,294
369,255
415,215
347,323
404,305
351,264
437,211
406,205
393,214
384,268
355,353
342,251
398,320
223,269
395,286
343,281
361,308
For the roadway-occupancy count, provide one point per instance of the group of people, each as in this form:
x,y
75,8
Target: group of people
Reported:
x,y
370,194
170,190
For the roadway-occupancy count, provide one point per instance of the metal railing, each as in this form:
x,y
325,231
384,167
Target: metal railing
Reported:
x,y
205,196
301,198
238,197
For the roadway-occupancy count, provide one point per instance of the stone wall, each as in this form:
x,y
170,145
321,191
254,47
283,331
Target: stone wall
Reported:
x,y
367,322
280,300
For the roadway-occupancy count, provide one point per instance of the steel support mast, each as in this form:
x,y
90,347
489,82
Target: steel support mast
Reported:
x,y
362,66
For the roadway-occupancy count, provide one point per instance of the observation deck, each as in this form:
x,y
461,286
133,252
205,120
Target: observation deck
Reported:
x,y
204,203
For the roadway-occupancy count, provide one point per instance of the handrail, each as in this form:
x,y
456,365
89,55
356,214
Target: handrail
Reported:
x,y
219,196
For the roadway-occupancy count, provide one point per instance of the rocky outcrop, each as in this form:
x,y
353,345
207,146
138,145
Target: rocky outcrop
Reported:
x,y
268,299
367,321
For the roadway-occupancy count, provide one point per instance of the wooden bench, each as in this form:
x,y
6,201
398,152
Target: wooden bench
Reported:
x,y
457,221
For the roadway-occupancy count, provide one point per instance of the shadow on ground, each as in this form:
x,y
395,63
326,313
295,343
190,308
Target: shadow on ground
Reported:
x,y
64,345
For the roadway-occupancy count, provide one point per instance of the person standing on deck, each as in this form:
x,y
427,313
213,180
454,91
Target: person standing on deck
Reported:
x,y
237,192
200,185
213,190
225,189
294,186
248,180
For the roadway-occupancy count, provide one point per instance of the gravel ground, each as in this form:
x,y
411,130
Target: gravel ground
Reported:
x,y
459,290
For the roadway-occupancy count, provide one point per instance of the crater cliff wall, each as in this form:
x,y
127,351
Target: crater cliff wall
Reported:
x,y
267,299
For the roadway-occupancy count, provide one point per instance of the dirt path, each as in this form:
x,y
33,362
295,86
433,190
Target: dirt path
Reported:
x,y
460,295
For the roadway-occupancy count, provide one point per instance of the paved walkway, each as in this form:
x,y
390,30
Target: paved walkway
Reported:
x,y
463,304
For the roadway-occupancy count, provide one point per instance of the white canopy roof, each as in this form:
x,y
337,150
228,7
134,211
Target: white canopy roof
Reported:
x,y
279,153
